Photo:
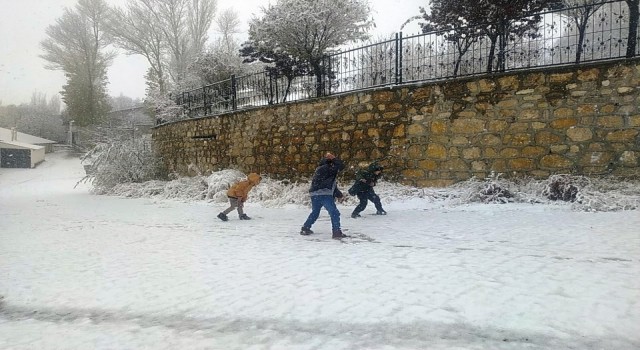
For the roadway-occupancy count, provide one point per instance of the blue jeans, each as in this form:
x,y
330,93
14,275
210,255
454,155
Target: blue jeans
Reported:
x,y
317,202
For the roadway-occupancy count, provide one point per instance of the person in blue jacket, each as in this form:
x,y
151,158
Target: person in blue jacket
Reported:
x,y
324,191
363,189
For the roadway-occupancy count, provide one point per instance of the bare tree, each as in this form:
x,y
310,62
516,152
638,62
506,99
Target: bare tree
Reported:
x,y
170,34
184,24
136,31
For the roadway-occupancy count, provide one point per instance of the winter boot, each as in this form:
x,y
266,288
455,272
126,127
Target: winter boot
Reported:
x,y
244,217
355,215
305,231
222,217
337,234
381,212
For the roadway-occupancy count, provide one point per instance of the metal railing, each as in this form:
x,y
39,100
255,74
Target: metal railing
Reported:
x,y
562,37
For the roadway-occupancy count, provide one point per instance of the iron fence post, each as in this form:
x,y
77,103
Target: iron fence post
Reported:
x,y
234,103
328,68
204,99
399,81
271,100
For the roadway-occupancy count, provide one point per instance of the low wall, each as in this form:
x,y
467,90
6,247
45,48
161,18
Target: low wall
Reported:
x,y
578,120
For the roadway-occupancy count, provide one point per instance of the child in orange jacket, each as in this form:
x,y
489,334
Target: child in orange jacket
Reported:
x,y
238,194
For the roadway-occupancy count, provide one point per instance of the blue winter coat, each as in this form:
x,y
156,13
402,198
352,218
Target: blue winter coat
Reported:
x,y
325,182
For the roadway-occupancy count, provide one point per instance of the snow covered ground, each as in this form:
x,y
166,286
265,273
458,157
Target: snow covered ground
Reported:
x,y
81,271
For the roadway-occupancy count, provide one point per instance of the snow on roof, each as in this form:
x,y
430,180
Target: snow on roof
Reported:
x,y
18,144
5,135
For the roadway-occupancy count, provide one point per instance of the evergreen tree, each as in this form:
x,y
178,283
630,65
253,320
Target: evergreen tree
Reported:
x,y
76,44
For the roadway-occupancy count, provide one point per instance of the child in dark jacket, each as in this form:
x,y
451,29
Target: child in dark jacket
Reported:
x,y
363,189
324,190
238,194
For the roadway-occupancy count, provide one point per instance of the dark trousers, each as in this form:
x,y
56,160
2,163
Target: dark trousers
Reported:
x,y
364,198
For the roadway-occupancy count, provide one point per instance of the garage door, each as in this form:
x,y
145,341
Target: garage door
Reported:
x,y
15,158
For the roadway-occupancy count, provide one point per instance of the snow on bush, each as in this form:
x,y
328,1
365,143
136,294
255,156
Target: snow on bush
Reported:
x,y
583,193
578,192
116,163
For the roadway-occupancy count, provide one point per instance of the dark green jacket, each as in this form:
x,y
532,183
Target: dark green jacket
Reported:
x,y
365,179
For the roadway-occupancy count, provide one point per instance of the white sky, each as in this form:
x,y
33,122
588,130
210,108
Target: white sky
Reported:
x,y
23,24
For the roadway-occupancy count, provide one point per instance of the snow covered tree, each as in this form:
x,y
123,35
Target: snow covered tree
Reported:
x,y
305,30
500,21
451,19
77,45
579,12
168,33
136,31
222,59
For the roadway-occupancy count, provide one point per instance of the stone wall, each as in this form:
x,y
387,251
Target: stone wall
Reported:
x,y
578,120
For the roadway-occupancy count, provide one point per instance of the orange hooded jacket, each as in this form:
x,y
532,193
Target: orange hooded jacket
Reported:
x,y
241,189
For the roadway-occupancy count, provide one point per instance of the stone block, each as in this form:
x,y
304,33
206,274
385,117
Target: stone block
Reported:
x,y
518,139
625,90
630,158
627,135
508,104
391,115
490,153
471,153
611,121
496,125
555,161
564,123
563,113
560,77
509,153
587,109
478,165
413,174
519,164
486,85
596,159
579,134
455,165
416,130
588,74
436,151
509,83
533,151
467,126
428,165
399,131
416,151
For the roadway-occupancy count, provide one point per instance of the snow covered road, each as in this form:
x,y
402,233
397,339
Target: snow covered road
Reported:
x,y
79,271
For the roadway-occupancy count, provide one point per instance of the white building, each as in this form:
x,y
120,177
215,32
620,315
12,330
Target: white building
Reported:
x,y
14,135
15,154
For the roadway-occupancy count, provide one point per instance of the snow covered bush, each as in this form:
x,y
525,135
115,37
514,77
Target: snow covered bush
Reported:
x,y
578,192
492,190
122,162
561,187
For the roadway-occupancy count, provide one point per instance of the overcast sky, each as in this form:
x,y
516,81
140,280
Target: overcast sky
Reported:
x,y
23,24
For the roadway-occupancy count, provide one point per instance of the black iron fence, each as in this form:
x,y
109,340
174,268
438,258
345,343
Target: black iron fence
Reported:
x,y
564,36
